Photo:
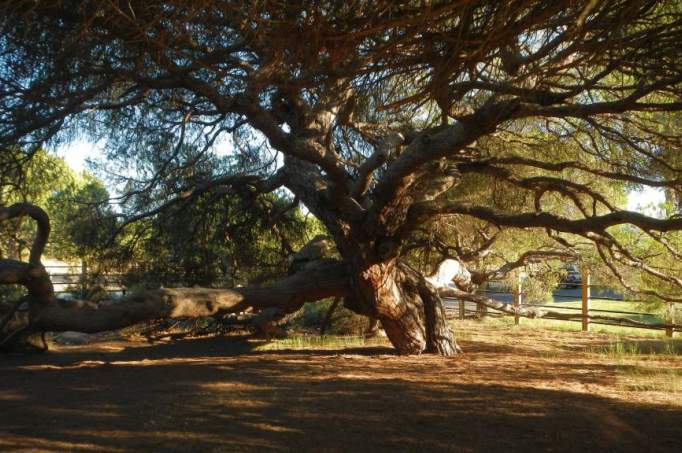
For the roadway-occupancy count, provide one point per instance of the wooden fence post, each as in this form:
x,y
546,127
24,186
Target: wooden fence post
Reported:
x,y
670,319
84,278
518,299
586,300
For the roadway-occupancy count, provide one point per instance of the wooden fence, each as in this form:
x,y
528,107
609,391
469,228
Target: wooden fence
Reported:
x,y
585,314
77,280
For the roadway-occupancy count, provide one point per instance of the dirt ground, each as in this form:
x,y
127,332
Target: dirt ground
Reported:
x,y
512,390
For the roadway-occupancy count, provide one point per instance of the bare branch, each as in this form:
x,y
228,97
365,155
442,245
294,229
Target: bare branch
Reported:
x,y
547,220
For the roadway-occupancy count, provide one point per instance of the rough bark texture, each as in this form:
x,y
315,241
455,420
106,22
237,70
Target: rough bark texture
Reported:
x,y
407,306
325,278
409,309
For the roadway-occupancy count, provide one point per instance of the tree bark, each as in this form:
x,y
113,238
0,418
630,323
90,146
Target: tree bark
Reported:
x,y
410,310
407,306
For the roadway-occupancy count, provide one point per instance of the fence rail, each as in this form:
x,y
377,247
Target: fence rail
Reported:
x,y
586,316
77,280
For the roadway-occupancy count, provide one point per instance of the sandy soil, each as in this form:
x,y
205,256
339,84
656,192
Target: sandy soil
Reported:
x,y
512,390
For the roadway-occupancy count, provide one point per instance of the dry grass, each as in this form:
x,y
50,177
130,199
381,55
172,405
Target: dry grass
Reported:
x,y
643,368
515,389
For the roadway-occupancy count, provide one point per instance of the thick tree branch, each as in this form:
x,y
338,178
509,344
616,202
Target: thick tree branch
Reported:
x,y
377,159
327,278
597,223
531,256
566,165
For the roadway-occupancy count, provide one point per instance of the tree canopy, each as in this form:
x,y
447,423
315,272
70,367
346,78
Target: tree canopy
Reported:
x,y
380,117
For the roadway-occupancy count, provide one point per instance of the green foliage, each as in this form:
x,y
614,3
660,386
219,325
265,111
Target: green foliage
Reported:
x,y
164,120
83,219
35,181
215,242
80,216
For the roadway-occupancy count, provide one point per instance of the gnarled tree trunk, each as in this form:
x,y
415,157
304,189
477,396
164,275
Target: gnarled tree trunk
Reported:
x,y
408,307
410,310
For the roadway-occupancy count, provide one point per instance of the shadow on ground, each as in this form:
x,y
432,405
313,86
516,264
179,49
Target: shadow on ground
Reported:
x,y
220,395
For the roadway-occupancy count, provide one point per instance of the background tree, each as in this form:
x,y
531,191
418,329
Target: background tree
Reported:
x,y
213,241
378,116
35,181
76,205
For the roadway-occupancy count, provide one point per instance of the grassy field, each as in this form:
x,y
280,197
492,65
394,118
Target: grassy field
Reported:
x,y
300,341
575,326
638,359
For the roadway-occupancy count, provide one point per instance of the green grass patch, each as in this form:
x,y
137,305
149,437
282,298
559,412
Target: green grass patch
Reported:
x,y
619,348
620,340
650,379
611,305
302,342
576,326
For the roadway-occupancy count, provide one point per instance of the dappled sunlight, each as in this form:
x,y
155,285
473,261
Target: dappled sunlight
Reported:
x,y
10,396
529,391
101,412
54,445
264,174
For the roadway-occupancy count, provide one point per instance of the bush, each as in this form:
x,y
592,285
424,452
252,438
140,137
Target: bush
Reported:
x,y
343,322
